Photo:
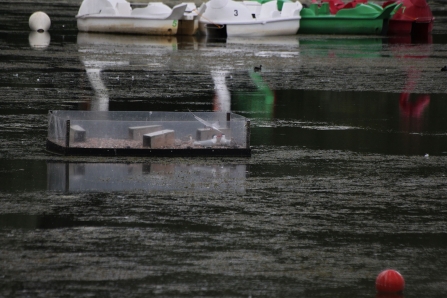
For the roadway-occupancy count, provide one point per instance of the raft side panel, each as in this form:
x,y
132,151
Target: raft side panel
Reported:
x,y
189,152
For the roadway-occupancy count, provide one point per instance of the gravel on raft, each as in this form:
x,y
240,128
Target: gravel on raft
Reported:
x,y
105,143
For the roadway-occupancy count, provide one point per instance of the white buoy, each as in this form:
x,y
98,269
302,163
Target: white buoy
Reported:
x,y
39,21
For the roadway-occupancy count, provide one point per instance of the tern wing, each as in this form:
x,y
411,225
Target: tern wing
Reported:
x,y
206,123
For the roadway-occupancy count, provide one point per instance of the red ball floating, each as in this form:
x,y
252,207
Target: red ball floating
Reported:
x,y
390,281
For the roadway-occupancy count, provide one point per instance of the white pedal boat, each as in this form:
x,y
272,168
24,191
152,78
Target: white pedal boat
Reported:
x,y
249,18
117,16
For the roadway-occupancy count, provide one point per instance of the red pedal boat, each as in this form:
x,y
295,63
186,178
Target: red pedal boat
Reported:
x,y
413,17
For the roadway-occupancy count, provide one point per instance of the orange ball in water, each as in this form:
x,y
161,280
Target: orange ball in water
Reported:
x,y
390,281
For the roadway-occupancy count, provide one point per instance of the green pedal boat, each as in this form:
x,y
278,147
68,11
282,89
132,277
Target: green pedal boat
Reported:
x,y
364,18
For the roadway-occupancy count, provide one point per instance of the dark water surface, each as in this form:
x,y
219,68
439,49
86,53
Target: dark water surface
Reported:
x,y
347,177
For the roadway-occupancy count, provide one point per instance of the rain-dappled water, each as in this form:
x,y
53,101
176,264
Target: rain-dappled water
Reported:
x,y
347,175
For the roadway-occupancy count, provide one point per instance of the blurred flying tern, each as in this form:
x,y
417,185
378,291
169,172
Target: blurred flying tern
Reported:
x,y
206,123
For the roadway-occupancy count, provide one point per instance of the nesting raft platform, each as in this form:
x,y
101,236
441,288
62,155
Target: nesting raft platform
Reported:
x,y
148,133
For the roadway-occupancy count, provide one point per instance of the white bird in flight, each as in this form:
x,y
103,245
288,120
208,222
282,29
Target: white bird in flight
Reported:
x,y
206,123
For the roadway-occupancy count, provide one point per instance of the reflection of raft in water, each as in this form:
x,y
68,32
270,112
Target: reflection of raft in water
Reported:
x,y
177,176
148,133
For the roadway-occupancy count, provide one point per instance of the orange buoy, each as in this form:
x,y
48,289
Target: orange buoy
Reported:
x,y
390,281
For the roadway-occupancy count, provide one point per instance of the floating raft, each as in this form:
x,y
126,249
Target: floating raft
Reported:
x,y
148,133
